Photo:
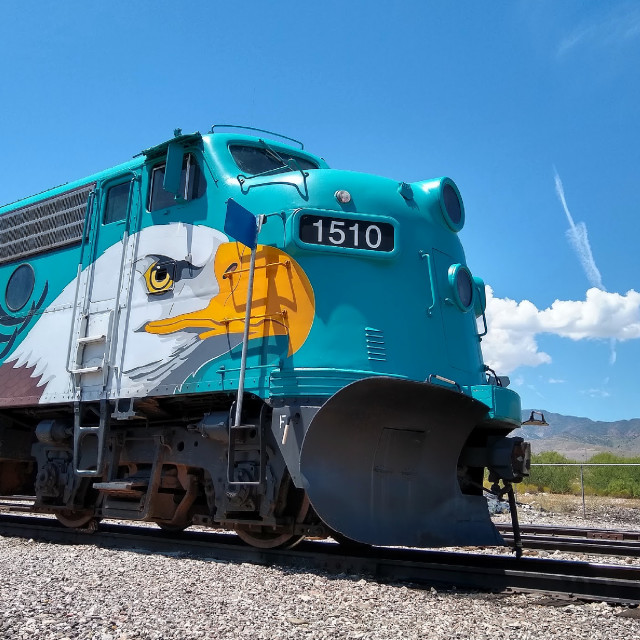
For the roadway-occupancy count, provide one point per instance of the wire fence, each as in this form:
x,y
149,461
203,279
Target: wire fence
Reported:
x,y
620,480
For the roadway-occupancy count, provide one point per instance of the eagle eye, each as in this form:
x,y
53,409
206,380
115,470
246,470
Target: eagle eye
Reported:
x,y
160,276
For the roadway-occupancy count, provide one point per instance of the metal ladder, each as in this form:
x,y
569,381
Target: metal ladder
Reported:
x,y
75,366
81,433
79,339
99,432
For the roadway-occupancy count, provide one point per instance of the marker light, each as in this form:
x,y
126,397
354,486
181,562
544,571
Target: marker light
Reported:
x,y
462,286
343,197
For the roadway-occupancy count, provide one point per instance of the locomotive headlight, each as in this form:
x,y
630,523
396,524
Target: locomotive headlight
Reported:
x,y
451,205
462,286
343,197
443,198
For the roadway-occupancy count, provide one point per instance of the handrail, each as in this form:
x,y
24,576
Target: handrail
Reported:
x,y
435,376
271,133
424,255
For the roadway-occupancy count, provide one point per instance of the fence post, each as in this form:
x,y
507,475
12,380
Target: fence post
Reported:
x,y
584,509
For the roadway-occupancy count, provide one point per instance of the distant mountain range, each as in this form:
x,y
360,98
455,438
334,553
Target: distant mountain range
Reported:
x,y
581,438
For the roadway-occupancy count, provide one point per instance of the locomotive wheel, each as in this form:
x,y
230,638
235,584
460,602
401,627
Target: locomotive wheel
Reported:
x,y
265,538
77,520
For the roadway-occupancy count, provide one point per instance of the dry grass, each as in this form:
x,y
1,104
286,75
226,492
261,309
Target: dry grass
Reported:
x,y
618,512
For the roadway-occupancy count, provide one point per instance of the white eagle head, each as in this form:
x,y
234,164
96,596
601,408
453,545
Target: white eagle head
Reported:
x,y
178,302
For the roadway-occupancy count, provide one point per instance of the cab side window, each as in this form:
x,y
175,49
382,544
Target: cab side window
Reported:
x,y
117,201
192,185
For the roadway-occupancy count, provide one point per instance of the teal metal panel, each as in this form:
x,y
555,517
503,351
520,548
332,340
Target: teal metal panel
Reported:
x,y
459,327
290,383
504,403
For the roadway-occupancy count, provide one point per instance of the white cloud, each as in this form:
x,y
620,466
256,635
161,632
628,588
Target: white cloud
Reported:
x,y
556,381
602,315
514,326
511,340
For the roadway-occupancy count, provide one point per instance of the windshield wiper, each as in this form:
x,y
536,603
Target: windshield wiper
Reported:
x,y
274,154
292,165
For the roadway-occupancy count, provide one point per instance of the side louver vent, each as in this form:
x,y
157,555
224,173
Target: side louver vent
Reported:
x,y
376,349
43,226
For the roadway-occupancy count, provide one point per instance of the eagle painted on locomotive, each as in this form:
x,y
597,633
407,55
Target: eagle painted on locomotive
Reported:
x,y
364,409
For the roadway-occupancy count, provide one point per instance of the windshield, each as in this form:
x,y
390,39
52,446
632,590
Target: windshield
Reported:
x,y
255,160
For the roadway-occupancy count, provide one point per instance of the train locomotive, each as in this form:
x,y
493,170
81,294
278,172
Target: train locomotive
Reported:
x,y
226,332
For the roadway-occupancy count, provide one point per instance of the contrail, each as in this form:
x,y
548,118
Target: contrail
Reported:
x,y
577,234
578,237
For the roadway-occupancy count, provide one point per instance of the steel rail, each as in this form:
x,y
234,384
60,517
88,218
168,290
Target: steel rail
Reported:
x,y
584,532
441,569
577,539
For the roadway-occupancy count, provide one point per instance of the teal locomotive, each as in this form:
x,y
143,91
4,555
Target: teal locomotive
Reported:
x,y
322,377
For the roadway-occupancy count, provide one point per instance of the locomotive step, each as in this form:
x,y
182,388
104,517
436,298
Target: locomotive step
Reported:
x,y
87,370
123,488
90,339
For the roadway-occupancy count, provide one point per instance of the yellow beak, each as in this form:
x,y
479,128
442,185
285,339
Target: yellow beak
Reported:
x,y
282,303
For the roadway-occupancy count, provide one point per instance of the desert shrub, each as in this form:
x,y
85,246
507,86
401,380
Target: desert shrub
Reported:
x,y
553,479
618,481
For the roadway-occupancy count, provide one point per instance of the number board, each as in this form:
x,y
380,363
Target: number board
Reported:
x,y
347,233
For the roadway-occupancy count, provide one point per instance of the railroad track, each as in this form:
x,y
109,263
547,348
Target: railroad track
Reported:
x,y
16,504
546,537
579,580
576,539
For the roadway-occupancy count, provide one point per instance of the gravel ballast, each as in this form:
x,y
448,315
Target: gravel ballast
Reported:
x,y
57,591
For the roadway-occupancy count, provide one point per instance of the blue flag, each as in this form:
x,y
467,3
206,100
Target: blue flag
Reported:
x,y
241,224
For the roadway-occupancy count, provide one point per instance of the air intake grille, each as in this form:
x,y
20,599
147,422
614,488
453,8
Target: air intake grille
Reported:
x,y
43,226
376,348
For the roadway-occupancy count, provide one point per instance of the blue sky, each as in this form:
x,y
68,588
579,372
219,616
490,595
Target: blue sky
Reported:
x,y
516,101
